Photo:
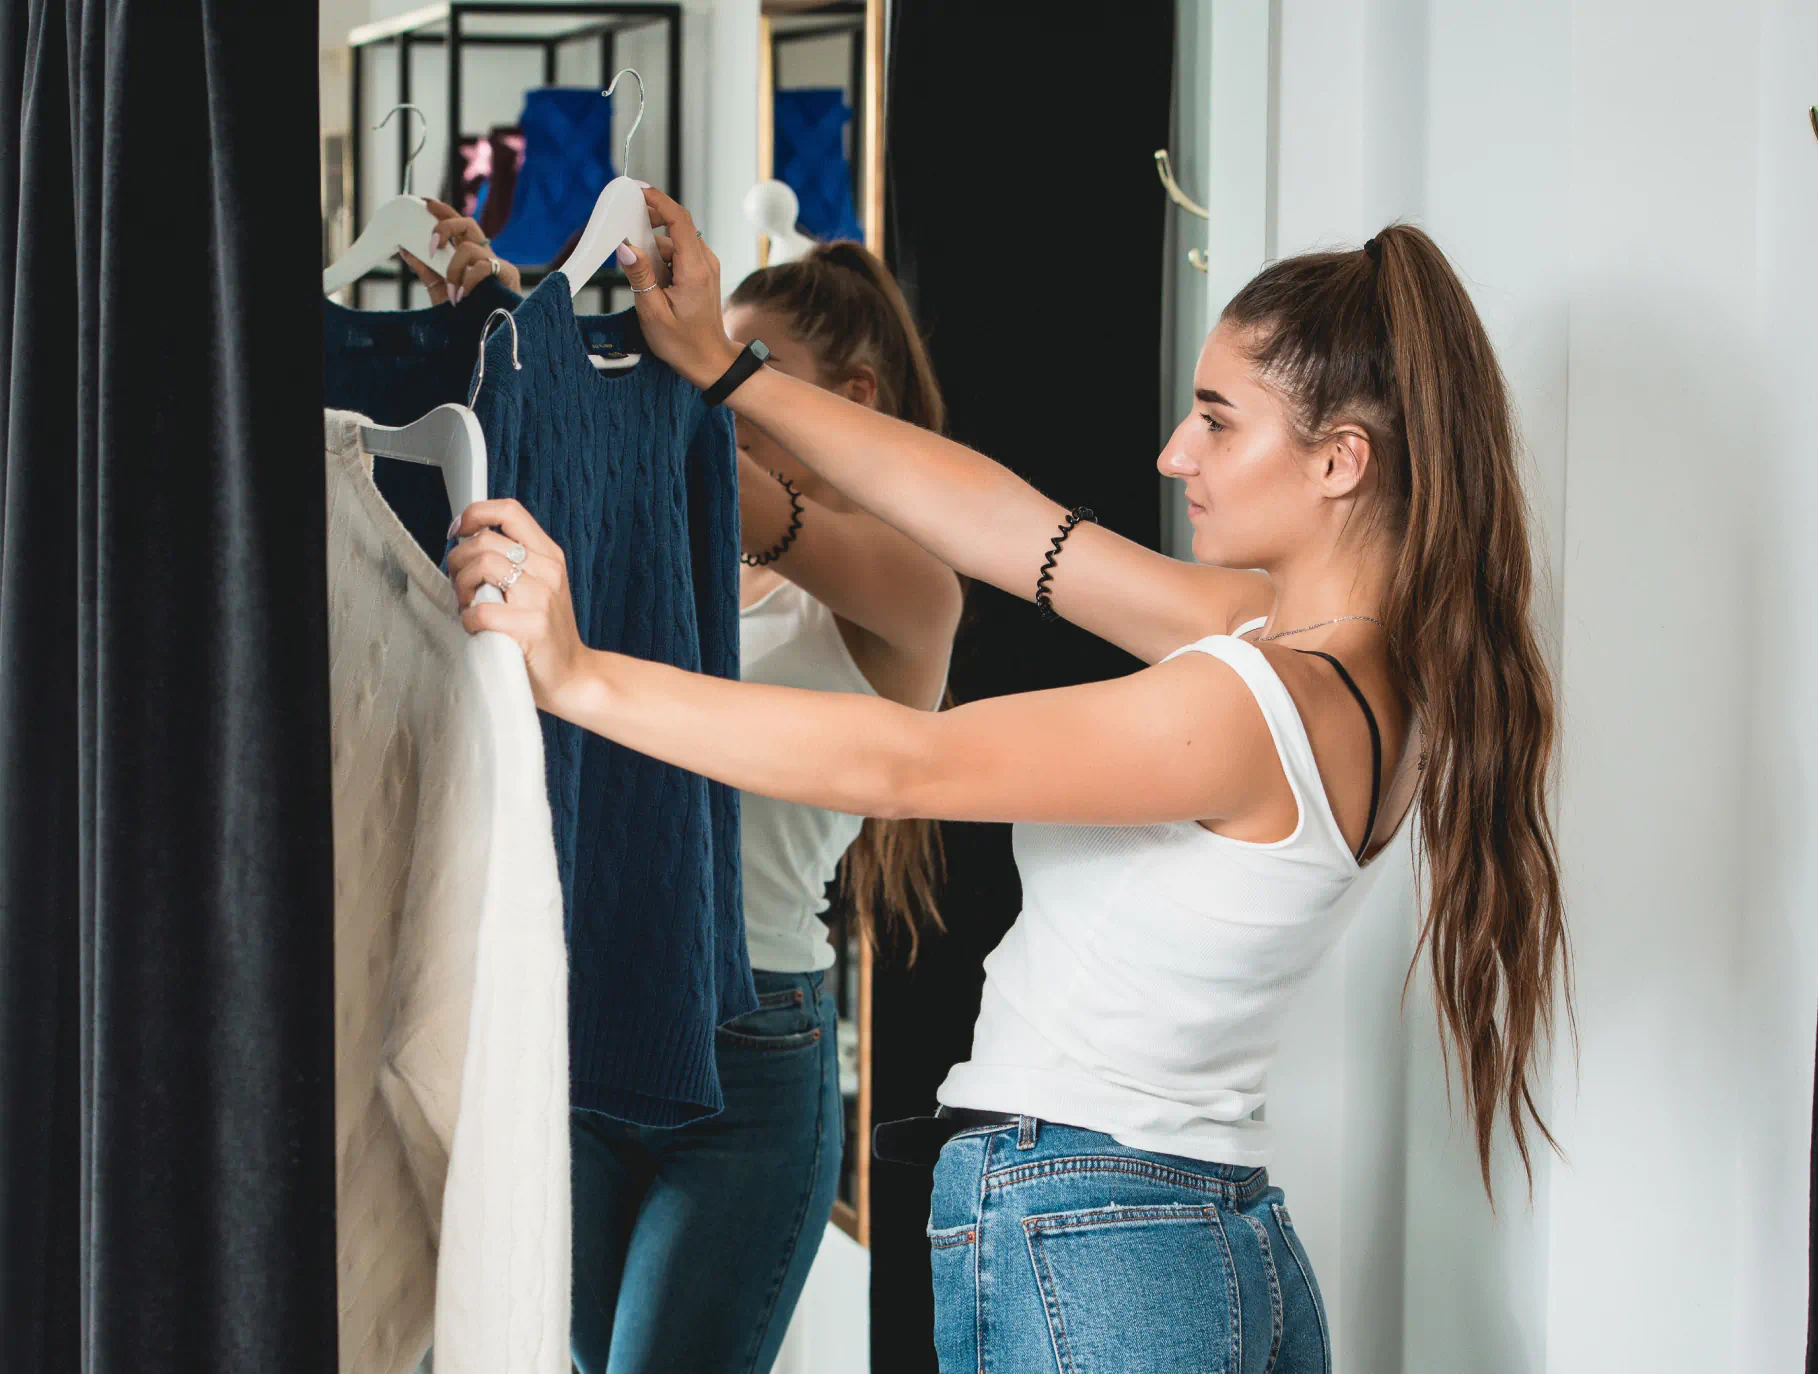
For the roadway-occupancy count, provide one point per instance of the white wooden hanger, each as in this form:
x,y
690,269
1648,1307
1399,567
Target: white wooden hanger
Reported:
x,y
619,216
449,438
405,221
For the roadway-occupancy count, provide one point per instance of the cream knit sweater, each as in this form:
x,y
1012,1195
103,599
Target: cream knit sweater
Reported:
x,y
451,1051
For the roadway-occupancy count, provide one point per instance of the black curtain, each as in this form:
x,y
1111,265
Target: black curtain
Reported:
x,y
166,881
1027,224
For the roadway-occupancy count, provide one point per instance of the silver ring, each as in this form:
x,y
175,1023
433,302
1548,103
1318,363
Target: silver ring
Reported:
x,y
701,235
517,554
510,580
640,290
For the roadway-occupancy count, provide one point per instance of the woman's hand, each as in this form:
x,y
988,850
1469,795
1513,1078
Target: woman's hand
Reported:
x,y
531,572
681,322
472,263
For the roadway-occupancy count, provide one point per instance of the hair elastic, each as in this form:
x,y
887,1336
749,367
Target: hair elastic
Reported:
x,y
776,551
1374,248
1044,600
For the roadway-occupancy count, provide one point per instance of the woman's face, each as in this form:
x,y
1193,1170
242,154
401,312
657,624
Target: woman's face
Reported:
x,y
787,354
1252,490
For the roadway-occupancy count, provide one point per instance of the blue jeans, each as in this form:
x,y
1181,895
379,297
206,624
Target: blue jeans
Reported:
x,y
691,1245
1056,1248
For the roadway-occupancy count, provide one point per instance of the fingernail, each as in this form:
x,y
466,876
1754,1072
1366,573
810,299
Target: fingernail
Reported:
x,y
454,295
627,254
644,184
435,242
453,525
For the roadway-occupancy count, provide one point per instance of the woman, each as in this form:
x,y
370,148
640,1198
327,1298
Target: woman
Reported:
x,y
1355,638
692,1244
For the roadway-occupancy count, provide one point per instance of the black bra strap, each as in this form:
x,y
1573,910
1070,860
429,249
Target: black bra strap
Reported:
x,y
1375,747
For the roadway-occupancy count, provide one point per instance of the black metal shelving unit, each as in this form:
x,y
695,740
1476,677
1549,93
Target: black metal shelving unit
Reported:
x,y
458,26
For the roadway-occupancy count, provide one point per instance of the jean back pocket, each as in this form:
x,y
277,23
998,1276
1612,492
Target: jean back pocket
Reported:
x,y
1138,1290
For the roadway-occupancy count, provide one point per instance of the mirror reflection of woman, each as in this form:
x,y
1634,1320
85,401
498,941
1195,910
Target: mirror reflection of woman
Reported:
x,y
692,1244
1355,638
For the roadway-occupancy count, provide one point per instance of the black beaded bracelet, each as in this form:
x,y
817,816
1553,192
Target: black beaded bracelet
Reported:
x,y
758,560
1043,597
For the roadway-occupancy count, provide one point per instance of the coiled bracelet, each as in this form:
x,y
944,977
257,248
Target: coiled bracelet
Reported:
x,y
758,560
1043,595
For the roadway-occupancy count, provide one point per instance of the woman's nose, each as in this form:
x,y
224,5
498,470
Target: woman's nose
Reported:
x,y
1174,463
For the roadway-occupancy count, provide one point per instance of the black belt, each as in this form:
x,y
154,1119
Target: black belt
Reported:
x,y
918,1139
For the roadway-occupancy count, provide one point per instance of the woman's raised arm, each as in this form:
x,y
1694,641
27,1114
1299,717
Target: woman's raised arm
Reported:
x,y
973,514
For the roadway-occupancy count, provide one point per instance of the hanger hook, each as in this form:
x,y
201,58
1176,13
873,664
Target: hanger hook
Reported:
x,y
1164,168
420,142
623,72
486,329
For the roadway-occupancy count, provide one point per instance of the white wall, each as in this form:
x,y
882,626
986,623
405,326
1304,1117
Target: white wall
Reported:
x,y
1629,190
1778,946
830,1332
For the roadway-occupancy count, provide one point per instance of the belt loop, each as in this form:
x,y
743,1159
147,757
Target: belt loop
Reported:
x,y
1027,1129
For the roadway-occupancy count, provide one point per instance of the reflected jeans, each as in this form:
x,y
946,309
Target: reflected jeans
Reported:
x,y
692,1245
1056,1248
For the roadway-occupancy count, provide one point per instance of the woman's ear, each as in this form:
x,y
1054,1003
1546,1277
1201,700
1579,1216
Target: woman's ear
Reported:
x,y
1344,461
860,386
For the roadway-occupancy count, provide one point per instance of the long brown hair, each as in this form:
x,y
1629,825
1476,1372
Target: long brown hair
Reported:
x,y
1387,339
845,306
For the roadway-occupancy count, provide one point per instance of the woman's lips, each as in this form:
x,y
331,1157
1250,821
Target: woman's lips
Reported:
x,y
1194,508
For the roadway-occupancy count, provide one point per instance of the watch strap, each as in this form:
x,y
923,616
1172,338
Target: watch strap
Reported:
x,y
750,359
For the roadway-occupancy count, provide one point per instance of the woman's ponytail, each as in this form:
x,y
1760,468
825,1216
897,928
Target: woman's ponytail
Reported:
x,y
1388,339
846,306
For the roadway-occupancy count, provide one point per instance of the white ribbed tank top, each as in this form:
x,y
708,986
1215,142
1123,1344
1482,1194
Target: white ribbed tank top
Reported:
x,y
790,852
1142,989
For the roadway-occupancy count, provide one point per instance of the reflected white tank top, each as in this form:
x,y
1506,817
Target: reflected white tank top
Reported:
x,y
1142,989
790,853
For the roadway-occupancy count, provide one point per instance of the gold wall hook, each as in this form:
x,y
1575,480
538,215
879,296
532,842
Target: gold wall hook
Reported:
x,y
1164,168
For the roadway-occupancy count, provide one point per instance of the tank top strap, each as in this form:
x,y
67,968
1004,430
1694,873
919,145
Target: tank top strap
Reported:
x,y
1286,728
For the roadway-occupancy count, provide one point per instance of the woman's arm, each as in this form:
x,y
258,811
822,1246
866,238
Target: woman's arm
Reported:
x,y
970,512
857,566
1181,741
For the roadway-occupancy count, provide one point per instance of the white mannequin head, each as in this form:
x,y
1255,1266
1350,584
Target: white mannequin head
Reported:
x,y
772,208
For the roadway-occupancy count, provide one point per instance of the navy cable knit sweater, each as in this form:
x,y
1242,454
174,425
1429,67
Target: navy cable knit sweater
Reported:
x,y
635,478
395,366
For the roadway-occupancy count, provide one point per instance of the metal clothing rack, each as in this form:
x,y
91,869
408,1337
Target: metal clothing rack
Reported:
x,y
458,26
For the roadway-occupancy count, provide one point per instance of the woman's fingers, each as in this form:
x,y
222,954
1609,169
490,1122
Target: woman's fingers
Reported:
x,y
460,229
514,621
494,569
689,249
506,514
640,275
462,277
438,288
537,565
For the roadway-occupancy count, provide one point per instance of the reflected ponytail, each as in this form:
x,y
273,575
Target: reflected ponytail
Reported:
x,y
1388,340
844,305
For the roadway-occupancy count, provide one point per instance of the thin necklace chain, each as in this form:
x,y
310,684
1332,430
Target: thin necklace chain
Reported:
x,y
1283,634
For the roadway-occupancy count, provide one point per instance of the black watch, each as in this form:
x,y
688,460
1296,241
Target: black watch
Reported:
x,y
750,359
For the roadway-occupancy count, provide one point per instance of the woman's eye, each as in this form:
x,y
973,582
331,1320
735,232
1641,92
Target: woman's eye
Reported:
x,y
1212,422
